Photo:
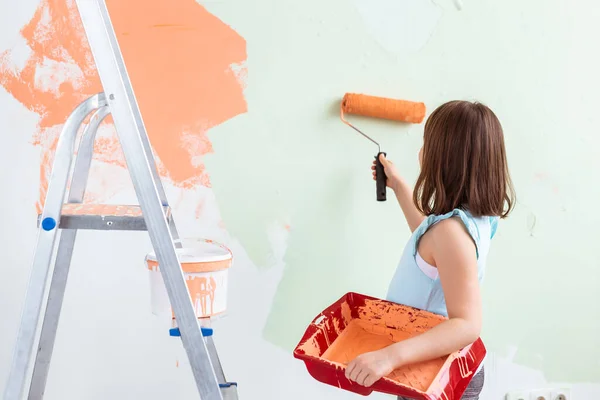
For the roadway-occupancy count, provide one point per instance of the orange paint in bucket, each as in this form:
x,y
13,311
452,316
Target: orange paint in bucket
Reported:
x,y
205,265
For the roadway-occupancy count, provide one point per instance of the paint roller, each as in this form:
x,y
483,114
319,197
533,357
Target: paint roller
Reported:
x,y
384,108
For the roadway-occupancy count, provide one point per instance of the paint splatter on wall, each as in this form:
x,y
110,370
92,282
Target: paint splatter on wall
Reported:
x,y
187,68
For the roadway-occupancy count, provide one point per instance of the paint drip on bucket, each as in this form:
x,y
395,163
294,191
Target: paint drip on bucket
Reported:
x,y
205,264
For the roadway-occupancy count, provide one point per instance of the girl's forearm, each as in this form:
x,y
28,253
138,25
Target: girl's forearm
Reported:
x,y
444,339
404,194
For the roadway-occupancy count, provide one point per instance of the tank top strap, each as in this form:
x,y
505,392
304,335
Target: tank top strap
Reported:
x,y
493,225
464,216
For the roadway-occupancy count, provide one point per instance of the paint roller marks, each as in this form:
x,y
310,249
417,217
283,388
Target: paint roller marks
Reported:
x,y
400,26
184,83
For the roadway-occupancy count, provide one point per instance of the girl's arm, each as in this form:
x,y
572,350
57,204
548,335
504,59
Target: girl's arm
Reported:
x,y
403,191
454,255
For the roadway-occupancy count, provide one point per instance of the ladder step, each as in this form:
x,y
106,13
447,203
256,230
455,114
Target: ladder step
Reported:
x,y
104,217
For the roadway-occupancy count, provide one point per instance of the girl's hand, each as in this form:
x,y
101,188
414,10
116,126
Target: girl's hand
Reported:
x,y
393,177
368,368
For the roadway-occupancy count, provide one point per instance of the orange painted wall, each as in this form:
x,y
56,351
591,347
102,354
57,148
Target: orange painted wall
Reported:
x,y
187,69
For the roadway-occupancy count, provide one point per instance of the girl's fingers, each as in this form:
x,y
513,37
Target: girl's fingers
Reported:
x,y
369,381
349,369
362,376
355,373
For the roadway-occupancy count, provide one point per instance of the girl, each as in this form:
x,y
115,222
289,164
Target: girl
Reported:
x,y
464,187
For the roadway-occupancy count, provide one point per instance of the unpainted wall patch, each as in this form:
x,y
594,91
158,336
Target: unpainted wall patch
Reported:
x,y
400,26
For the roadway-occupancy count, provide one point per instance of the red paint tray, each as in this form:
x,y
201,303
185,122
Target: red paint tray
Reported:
x,y
357,323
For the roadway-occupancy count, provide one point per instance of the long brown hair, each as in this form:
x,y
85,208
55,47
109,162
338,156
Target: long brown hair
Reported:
x,y
464,163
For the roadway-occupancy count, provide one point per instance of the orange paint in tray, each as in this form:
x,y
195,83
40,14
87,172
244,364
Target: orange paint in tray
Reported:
x,y
356,324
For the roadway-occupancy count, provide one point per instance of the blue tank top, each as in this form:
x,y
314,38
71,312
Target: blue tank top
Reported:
x,y
411,286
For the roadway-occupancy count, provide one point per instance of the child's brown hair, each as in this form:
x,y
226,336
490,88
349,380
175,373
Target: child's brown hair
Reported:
x,y
464,163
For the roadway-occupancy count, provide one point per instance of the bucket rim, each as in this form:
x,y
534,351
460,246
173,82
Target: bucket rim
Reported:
x,y
195,255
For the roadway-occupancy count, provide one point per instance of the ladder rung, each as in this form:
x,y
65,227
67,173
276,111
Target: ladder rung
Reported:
x,y
107,217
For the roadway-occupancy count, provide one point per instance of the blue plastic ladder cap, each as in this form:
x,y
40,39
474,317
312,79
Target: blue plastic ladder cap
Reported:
x,y
48,224
227,384
177,332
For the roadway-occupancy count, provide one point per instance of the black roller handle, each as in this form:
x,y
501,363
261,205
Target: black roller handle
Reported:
x,y
380,178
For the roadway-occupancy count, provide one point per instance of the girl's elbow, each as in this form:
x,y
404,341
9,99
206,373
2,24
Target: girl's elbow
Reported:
x,y
473,331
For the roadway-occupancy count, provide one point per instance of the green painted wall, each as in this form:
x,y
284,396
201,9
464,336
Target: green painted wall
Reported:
x,y
290,157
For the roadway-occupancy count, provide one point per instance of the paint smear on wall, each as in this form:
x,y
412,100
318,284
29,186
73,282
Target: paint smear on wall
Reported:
x,y
400,26
187,68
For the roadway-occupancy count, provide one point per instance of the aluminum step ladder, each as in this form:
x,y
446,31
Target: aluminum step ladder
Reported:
x,y
29,368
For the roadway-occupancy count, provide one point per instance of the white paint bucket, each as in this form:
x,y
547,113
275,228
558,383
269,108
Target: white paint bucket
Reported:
x,y
205,265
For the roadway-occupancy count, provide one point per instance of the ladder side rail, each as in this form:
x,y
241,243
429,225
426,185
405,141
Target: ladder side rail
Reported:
x,y
214,356
116,84
34,298
62,264
146,141
85,153
152,163
212,350
151,160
